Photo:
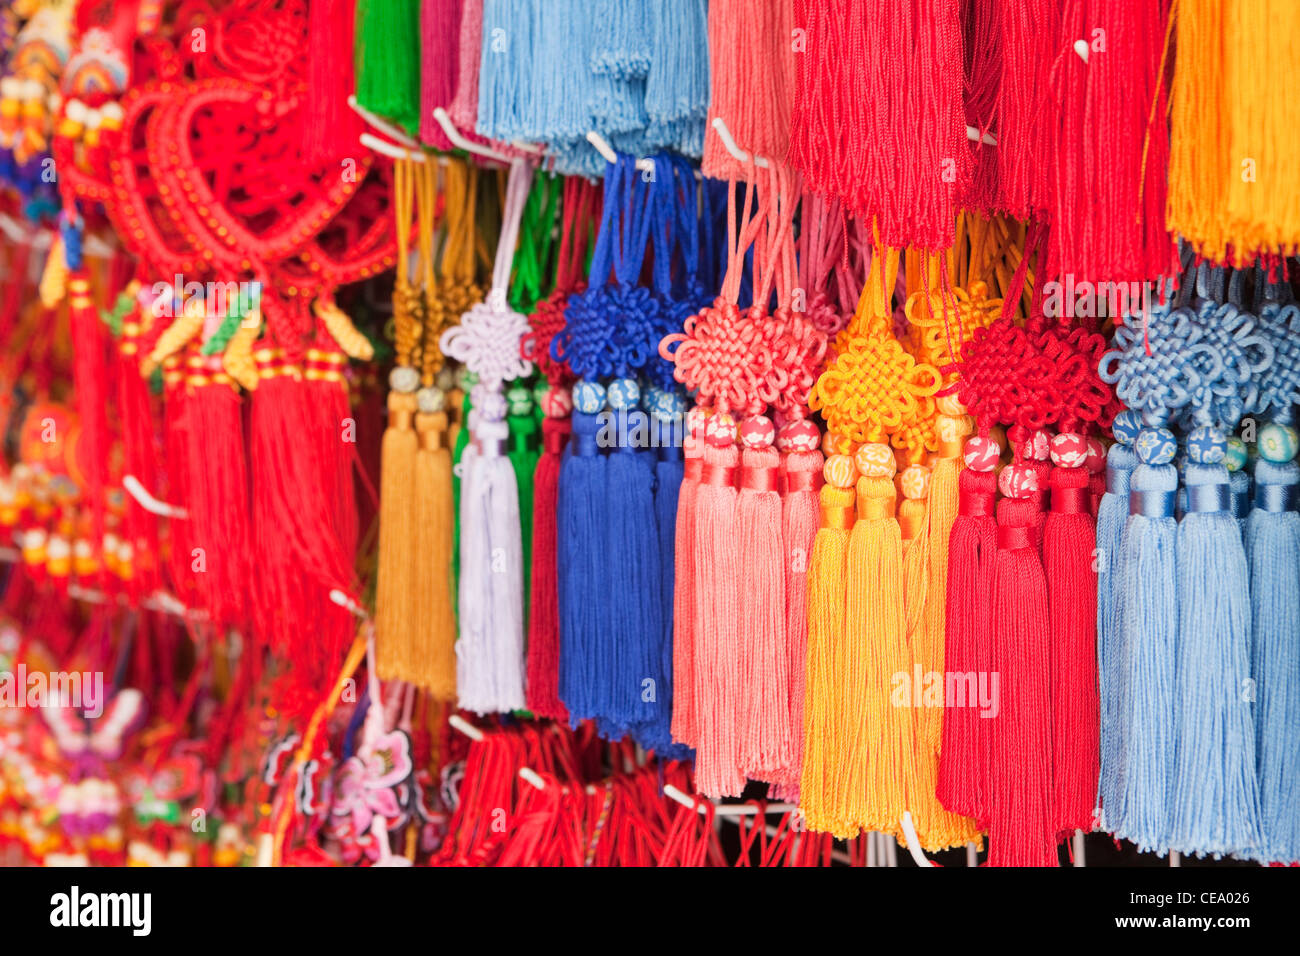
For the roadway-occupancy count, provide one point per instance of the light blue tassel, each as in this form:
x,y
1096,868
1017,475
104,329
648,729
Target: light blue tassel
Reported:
x,y
1214,802
1112,516
1148,626
505,69
1273,547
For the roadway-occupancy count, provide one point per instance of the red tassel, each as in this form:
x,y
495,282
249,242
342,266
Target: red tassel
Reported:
x,y
1020,829
140,562
1069,539
90,373
685,725
330,126
544,617
963,785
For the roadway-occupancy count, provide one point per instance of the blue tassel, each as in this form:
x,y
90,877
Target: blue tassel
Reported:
x,y
1273,548
506,68
1148,623
1214,801
581,529
1112,515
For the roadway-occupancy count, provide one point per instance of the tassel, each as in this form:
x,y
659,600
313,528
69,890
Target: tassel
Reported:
x,y
90,376
801,474
1112,516
765,744
1214,798
490,651
833,702
388,60
439,37
523,458
631,568
941,513
544,605
1273,548
1147,631
1020,828
581,553
433,657
330,128
876,646
964,760
685,726
669,474
395,593
719,694
1069,538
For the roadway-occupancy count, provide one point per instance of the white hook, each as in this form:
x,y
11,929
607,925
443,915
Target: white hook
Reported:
x,y
460,142
527,773
148,502
371,141
727,809
465,727
343,600
988,139
725,135
381,124
913,844
607,152
1081,48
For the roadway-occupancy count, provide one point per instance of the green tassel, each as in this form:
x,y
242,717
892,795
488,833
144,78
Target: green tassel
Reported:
x,y
388,60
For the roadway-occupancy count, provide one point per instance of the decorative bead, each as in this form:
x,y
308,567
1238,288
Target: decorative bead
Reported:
x,y
950,405
840,471
1155,446
1206,445
623,394
665,404
465,379
556,402
1278,443
1235,454
1096,461
1018,481
1126,426
875,460
720,430
431,399
588,397
981,453
915,482
490,406
403,378
1069,450
801,436
695,421
757,431
520,400
1039,446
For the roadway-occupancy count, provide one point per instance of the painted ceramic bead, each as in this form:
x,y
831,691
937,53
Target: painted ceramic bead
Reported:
x,y
950,405
520,400
798,436
1126,426
840,471
1206,445
556,403
981,454
915,481
623,393
1278,443
431,400
588,397
403,378
1069,450
875,460
1235,454
720,430
1018,481
1039,446
1155,446
1096,461
757,431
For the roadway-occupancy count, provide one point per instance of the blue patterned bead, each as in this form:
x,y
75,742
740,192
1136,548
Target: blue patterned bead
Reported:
x,y
1278,443
667,405
588,397
1206,445
1126,426
1235,454
1155,446
623,393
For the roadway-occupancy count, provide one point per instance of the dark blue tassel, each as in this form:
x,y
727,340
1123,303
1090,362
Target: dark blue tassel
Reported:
x,y
581,529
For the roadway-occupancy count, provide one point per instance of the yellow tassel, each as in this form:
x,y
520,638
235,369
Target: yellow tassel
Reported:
x,y
54,277
177,336
876,652
395,604
827,689
340,327
237,360
434,655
